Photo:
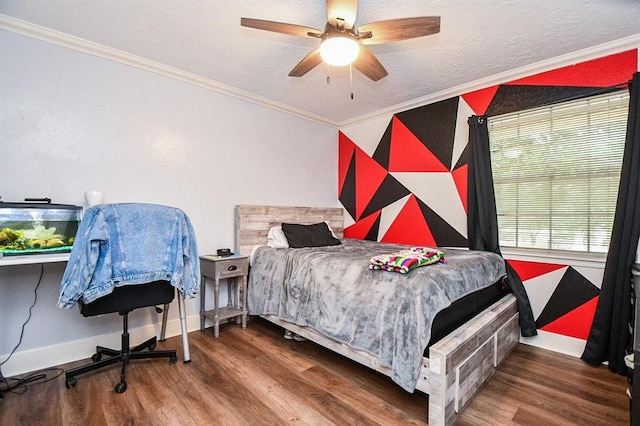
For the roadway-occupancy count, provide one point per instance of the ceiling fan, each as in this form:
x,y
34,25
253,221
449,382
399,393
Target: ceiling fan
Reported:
x,y
343,43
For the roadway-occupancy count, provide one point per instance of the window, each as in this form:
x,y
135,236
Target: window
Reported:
x,y
556,172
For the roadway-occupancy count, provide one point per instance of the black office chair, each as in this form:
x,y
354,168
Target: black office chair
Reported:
x,y
123,300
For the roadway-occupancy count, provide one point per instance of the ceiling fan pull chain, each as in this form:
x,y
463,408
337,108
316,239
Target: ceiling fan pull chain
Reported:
x,y
328,76
351,80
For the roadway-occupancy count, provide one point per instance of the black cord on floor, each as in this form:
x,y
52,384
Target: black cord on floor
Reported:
x,y
5,386
19,384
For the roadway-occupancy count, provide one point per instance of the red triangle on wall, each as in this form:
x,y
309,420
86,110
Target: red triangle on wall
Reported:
x,y
361,228
369,177
480,100
460,178
607,71
410,226
527,270
409,154
576,323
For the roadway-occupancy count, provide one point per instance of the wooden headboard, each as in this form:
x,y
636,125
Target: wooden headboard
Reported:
x,y
253,222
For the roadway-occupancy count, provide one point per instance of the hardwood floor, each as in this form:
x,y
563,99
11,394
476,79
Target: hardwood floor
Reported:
x,y
255,377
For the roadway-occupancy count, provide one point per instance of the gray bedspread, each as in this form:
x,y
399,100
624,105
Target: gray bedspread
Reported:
x,y
387,314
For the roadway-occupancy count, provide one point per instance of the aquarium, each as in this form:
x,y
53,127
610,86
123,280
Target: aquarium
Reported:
x,y
33,228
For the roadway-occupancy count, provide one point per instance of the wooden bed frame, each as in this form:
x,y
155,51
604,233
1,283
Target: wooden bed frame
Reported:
x,y
457,366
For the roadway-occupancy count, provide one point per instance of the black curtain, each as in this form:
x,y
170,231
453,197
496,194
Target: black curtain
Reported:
x,y
482,219
609,336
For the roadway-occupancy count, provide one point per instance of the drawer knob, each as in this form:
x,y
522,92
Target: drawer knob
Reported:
x,y
232,268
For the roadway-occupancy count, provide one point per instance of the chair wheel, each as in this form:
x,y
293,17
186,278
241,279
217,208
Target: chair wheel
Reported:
x,y
152,346
71,382
173,360
96,357
121,387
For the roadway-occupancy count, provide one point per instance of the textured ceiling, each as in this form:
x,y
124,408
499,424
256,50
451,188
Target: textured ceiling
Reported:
x,y
478,39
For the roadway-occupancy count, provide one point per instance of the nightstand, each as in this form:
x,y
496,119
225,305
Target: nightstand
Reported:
x,y
233,270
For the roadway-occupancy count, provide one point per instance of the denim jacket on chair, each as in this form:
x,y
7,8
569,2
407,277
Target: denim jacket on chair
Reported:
x,y
130,243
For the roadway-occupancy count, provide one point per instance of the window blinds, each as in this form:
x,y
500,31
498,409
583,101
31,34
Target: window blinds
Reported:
x,y
556,172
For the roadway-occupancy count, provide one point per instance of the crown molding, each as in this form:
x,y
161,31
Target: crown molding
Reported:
x,y
65,40
627,43
75,43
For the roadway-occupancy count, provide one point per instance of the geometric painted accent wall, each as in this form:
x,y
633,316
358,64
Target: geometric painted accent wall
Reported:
x,y
413,188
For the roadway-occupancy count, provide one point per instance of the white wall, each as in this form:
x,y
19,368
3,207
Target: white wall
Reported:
x,y
71,122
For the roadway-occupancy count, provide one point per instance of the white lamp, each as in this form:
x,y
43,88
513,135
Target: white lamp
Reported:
x,y
339,49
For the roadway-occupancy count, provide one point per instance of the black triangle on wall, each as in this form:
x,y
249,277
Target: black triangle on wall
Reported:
x,y
372,235
512,98
348,194
383,150
435,126
389,192
572,291
443,233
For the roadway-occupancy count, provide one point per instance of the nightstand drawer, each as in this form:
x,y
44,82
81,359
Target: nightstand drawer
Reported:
x,y
232,267
227,267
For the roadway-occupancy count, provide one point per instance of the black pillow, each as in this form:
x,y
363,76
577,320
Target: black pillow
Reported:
x,y
316,235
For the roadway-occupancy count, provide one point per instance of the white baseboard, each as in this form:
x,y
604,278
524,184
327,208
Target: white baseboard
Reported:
x,y
50,356
556,342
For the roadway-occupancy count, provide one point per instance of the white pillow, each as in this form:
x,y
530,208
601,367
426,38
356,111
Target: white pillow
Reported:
x,y
276,238
331,229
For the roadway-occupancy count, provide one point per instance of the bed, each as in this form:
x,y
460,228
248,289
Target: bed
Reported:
x,y
451,371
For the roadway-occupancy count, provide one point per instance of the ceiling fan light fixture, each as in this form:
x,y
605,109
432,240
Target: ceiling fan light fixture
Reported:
x,y
339,49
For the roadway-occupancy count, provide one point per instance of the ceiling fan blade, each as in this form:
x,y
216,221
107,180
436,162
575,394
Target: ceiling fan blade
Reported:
x,y
399,29
346,10
280,27
369,65
307,63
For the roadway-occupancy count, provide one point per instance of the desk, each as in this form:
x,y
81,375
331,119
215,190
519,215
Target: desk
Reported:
x,y
32,259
